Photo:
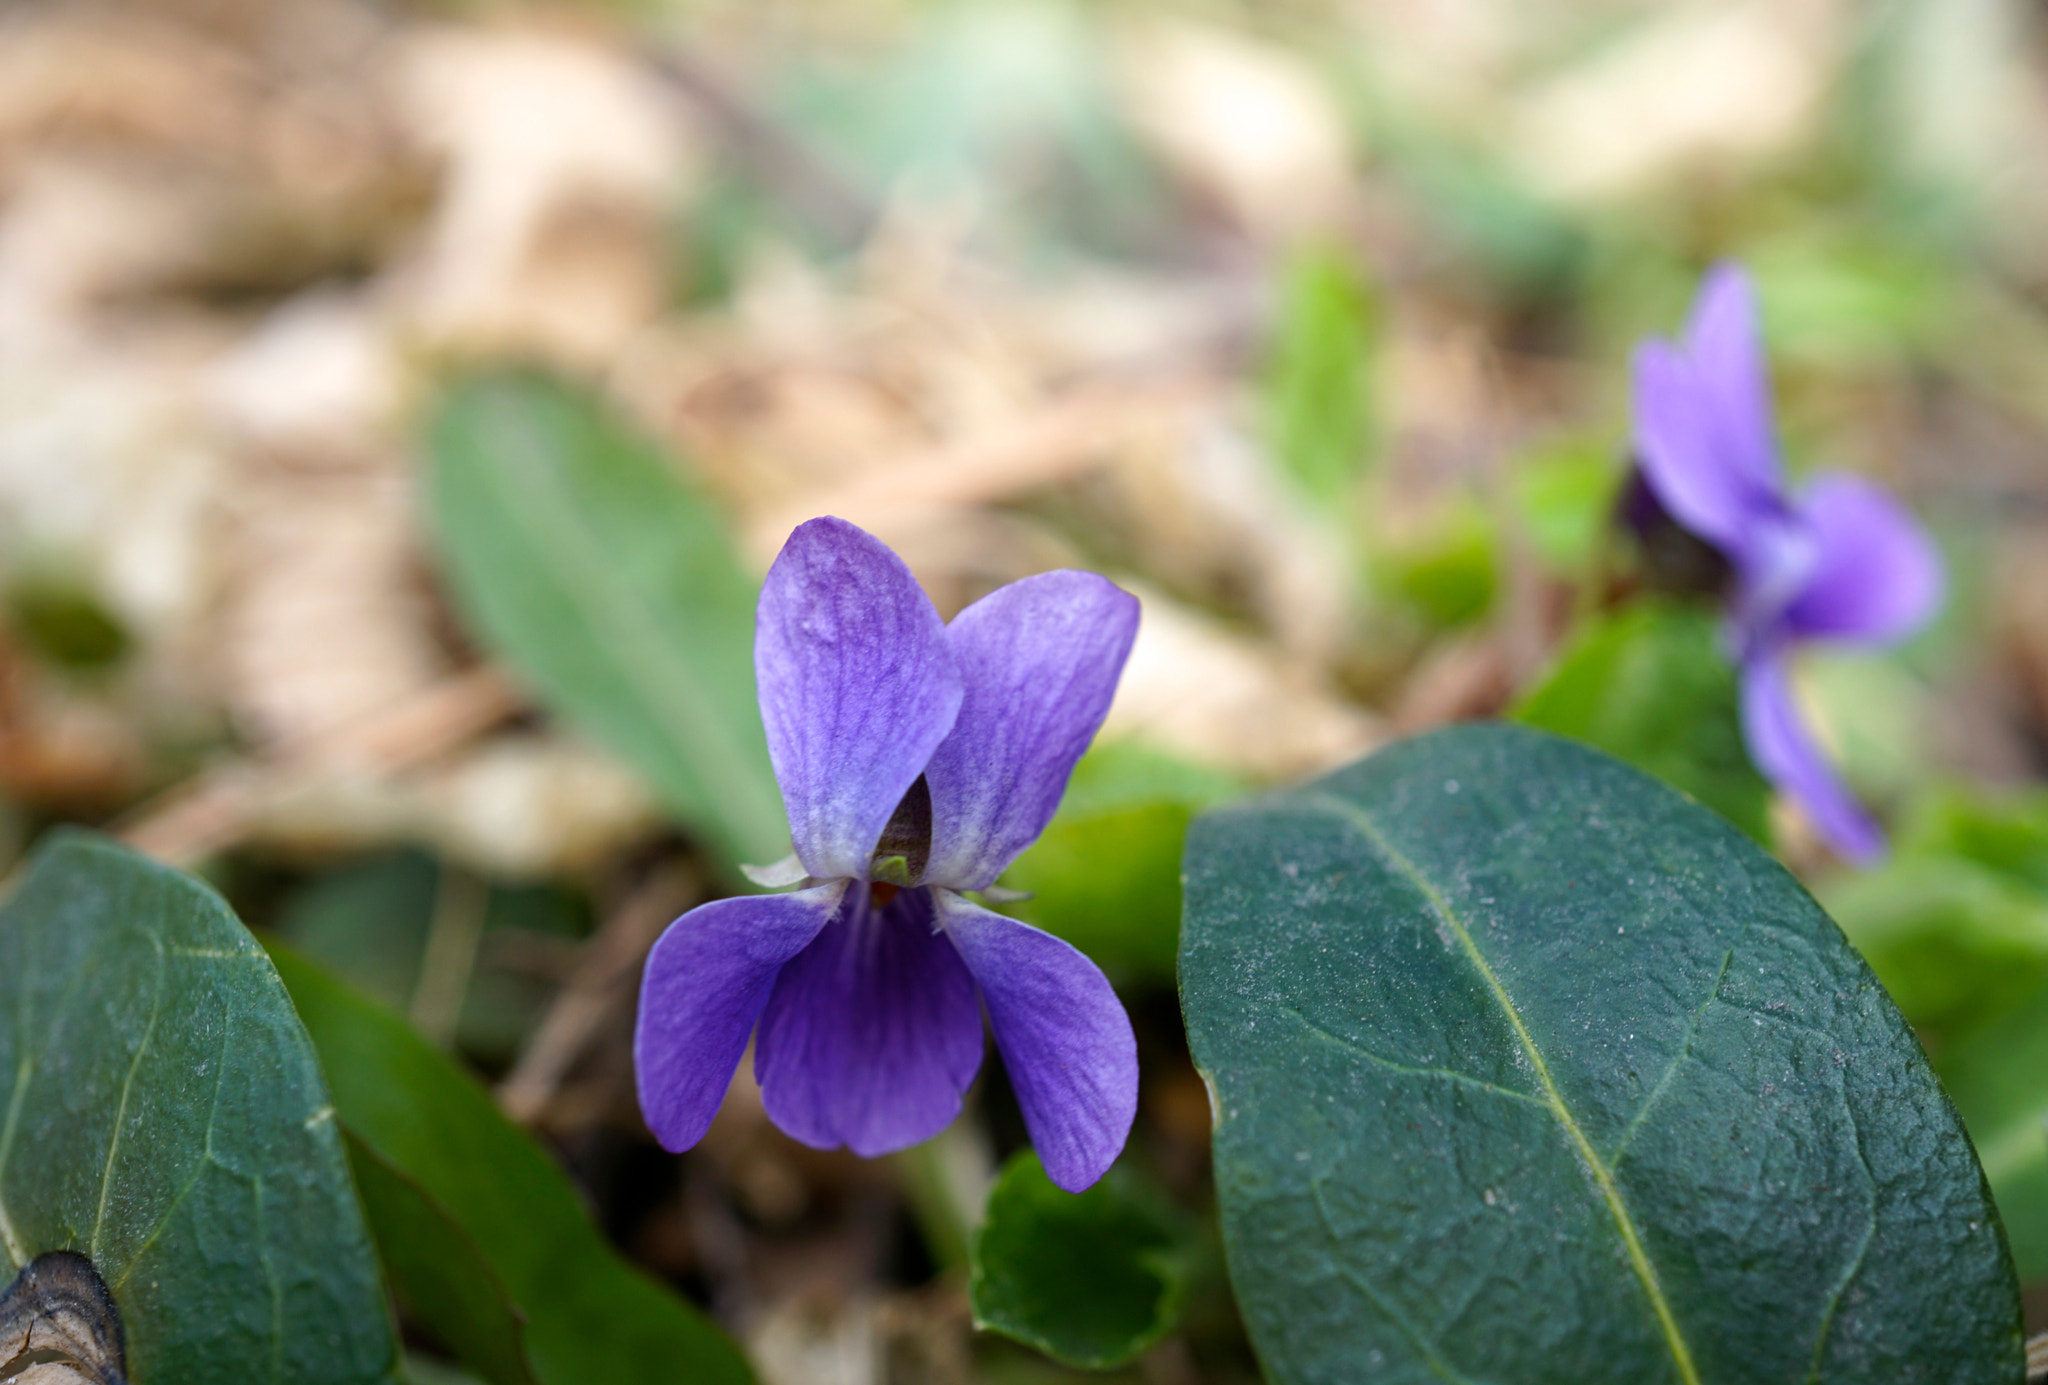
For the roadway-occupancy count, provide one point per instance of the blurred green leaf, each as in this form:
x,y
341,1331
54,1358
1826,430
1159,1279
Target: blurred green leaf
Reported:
x,y
1998,1079
1318,390
165,1115
591,1318
1956,943
367,921
438,1272
1565,496
1091,1279
578,553
64,621
1649,684
1447,571
1105,875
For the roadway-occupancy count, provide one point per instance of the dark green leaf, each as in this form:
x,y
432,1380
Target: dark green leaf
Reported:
x,y
1528,1069
438,1272
1105,875
1649,684
165,1116
1318,395
580,555
591,1319
1090,1279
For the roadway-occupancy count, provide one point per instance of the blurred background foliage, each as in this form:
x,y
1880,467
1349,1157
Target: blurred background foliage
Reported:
x,y
399,403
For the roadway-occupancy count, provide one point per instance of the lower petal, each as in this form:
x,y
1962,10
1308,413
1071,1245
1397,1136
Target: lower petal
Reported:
x,y
705,983
1878,576
1786,753
1064,1037
873,1033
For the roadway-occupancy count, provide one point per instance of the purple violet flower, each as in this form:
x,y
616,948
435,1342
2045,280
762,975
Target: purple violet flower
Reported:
x,y
1841,560
916,760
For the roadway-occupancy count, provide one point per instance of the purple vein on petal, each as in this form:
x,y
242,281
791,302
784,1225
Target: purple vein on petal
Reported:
x,y
1065,1039
1039,660
705,984
857,684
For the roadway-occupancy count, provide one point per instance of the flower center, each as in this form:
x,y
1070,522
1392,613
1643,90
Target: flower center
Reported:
x,y
905,847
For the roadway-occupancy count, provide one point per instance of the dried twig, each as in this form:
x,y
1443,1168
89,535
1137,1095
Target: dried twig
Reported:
x,y
600,984
216,809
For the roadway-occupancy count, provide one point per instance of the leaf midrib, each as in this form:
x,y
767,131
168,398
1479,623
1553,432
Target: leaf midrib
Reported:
x,y
637,643
1639,1260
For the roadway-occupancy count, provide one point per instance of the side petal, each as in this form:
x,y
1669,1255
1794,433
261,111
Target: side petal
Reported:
x,y
1064,1037
1786,754
1724,340
1039,660
873,1033
858,687
705,983
1877,575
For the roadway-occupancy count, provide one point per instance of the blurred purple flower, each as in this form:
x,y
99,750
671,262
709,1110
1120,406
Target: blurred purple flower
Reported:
x,y
1840,560
916,760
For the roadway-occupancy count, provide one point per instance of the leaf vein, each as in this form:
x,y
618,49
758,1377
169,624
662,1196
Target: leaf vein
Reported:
x,y
1362,822
1382,1061
1692,1029
1438,1367
156,1009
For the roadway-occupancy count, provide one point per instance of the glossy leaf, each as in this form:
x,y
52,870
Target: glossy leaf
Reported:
x,y
1649,684
1527,1068
591,1319
1091,1279
579,554
438,1272
165,1115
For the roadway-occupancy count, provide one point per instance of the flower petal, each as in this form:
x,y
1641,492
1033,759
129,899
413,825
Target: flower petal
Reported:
x,y
705,983
858,686
1726,346
873,1034
1064,1037
1703,418
1877,576
1039,660
1784,750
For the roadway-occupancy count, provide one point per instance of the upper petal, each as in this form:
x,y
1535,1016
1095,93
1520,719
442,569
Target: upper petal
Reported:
x,y
1703,418
705,983
858,687
873,1033
1725,343
1066,1042
1877,574
1785,751
1039,660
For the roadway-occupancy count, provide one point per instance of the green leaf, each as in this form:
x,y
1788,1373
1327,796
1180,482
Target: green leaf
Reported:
x,y
1527,1068
1955,942
591,1318
1105,875
438,1272
1999,1079
579,554
1447,570
1318,396
1564,494
165,1116
1091,1279
1649,684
